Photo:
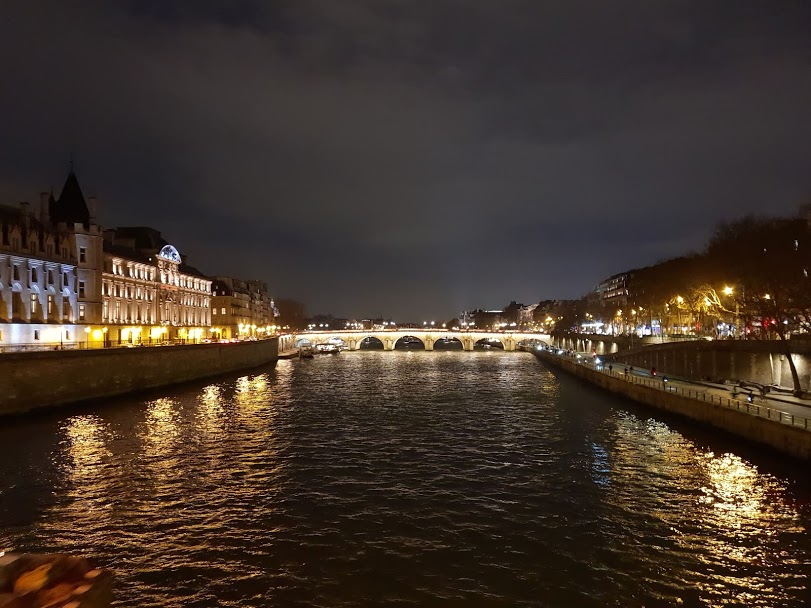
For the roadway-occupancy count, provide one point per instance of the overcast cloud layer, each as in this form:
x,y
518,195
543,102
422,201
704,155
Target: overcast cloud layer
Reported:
x,y
406,157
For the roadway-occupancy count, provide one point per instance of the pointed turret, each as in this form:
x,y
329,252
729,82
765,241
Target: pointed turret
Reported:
x,y
71,206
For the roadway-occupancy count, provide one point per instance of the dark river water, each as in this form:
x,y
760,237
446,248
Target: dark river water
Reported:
x,y
406,478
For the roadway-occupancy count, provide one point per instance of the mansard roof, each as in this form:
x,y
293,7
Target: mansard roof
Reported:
x,y
143,238
71,207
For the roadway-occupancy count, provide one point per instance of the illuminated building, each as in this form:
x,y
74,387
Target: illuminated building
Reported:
x,y
614,290
65,283
50,279
150,294
240,309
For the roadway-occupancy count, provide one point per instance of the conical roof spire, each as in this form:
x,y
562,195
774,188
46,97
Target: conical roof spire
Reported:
x,y
71,206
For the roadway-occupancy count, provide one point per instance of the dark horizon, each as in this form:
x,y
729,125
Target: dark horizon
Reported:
x,y
372,158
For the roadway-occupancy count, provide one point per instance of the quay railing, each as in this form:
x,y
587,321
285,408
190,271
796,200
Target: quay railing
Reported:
x,y
753,409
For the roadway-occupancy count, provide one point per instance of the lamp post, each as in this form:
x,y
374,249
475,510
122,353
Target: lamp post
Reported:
x,y
87,337
729,291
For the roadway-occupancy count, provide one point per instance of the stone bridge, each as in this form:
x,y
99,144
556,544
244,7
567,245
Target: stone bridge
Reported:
x,y
389,337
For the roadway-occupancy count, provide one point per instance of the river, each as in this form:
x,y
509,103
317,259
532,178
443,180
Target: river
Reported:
x,y
406,478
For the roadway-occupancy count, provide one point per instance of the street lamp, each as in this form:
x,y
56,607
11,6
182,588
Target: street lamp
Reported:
x,y
728,291
87,337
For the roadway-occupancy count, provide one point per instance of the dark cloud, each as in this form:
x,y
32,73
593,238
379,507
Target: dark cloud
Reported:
x,y
413,158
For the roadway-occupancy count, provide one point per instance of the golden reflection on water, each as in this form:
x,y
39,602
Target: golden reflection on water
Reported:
x,y
159,437
86,445
730,512
89,481
252,399
211,411
734,491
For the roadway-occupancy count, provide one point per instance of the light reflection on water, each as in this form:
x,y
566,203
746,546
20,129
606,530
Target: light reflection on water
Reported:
x,y
371,478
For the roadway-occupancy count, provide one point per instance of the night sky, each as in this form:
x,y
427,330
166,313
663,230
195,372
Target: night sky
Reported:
x,y
412,158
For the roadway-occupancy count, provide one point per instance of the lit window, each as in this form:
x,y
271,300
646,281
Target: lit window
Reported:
x,y
214,312
81,312
223,310
34,300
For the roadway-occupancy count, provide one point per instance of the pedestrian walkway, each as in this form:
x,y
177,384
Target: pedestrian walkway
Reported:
x,y
785,409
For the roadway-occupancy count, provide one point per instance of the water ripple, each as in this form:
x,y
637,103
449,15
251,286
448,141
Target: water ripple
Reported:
x,y
406,479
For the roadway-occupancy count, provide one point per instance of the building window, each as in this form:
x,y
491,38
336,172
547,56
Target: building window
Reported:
x,y
81,289
65,252
82,255
105,310
34,301
67,335
49,250
34,275
81,312
50,277
36,334
16,272
214,312
223,310
50,305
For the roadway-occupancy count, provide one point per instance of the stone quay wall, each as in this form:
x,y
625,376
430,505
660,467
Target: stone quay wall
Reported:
x,y
791,440
761,361
34,380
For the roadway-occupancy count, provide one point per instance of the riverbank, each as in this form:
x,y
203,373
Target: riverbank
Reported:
x,y
36,380
786,432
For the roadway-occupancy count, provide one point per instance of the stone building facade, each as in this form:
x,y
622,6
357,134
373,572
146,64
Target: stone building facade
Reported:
x,y
66,283
50,278
241,309
150,294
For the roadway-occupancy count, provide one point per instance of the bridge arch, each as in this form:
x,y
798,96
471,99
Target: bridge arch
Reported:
x,y
409,342
490,342
371,343
352,339
449,343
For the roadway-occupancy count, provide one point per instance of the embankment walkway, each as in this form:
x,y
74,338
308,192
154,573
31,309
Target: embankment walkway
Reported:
x,y
783,426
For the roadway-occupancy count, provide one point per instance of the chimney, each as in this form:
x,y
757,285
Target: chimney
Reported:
x,y
91,208
44,213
